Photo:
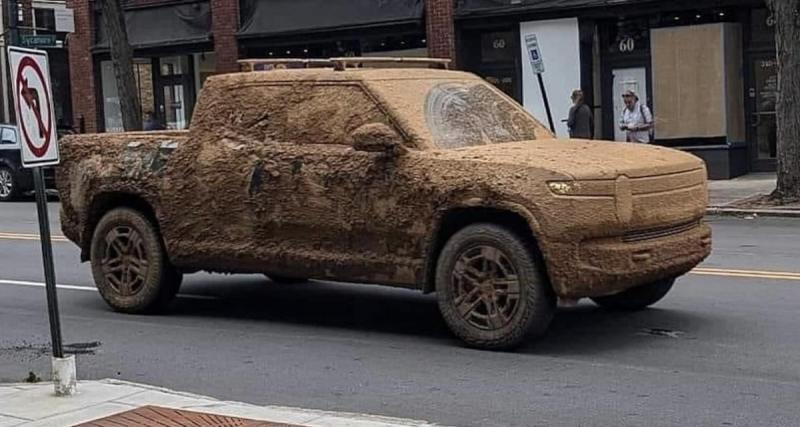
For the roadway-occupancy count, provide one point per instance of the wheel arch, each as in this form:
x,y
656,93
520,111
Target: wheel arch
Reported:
x,y
6,162
516,217
104,202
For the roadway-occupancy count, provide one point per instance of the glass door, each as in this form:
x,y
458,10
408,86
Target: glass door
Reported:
x,y
175,91
763,96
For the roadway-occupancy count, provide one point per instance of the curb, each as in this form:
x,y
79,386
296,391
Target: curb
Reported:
x,y
76,412
788,213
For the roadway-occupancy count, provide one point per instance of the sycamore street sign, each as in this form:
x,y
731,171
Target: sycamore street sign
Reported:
x,y
38,40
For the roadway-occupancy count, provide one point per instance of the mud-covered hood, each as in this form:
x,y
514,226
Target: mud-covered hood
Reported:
x,y
582,159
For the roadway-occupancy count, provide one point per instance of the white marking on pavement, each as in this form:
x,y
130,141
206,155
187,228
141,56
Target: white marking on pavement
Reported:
x,y
29,236
90,289
751,274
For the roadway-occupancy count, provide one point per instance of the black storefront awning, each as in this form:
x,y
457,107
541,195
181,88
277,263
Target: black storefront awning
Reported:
x,y
477,7
275,17
161,26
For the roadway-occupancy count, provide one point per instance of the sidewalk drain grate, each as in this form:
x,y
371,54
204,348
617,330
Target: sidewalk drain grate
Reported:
x,y
148,416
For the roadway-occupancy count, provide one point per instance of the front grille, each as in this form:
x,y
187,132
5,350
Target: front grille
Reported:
x,y
655,233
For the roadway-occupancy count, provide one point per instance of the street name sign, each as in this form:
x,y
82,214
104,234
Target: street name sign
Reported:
x,y
534,53
33,102
38,40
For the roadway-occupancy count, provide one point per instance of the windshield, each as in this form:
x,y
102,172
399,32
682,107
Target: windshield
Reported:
x,y
458,113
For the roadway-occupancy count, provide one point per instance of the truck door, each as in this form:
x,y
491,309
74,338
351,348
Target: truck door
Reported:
x,y
275,186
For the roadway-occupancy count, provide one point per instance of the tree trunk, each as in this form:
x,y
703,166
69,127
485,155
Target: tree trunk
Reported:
x,y
787,40
122,59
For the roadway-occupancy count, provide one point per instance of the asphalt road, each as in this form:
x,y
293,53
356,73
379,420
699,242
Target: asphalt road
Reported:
x,y
721,350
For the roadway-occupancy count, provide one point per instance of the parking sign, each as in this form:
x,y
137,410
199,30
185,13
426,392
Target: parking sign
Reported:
x,y
33,102
534,53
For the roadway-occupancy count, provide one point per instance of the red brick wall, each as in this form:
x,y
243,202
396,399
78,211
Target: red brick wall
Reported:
x,y
224,24
81,68
440,28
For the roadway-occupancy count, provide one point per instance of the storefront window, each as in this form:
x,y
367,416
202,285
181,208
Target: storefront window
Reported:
x,y
112,113
44,20
174,65
205,66
409,45
414,45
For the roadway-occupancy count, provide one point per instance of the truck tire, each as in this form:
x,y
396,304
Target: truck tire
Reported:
x,y
637,298
8,185
492,289
129,263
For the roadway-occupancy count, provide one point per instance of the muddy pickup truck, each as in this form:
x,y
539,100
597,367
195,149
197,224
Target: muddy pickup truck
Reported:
x,y
419,178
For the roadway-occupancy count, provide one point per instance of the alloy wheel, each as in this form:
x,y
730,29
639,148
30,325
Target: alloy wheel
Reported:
x,y
486,288
125,264
6,183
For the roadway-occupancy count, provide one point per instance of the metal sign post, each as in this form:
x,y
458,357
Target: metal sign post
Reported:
x,y
33,104
537,64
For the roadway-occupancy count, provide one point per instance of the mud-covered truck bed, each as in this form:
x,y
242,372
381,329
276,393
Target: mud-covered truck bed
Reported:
x,y
426,179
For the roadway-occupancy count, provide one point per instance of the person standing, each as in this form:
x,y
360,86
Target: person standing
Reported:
x,y
580,121
150,122
636,120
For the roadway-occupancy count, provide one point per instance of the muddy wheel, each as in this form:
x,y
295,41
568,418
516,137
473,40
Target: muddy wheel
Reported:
x,y
491,288
129,263
286,279
637,298
8,186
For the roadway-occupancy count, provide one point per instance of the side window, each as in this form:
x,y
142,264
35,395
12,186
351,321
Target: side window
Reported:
x,y
303,113
330,113
9,136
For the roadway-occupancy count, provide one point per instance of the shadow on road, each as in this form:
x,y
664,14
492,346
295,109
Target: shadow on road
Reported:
x,y
585,329
356,307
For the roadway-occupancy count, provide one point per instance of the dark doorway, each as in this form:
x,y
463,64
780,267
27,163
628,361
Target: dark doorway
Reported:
x,y
625,65
494,54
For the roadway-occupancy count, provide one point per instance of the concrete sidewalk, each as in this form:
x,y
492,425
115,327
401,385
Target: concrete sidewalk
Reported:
x,y
725,194
32,405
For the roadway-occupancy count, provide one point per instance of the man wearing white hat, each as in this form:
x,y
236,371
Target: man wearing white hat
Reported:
x,y
636,120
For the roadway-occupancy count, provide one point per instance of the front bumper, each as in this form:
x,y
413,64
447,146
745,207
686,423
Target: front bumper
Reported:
x,y
607,266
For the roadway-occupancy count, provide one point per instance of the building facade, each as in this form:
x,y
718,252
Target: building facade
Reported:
x,y
705,67
177,44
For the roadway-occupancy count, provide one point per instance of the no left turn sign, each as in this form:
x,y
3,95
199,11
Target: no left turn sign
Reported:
x,y
33,102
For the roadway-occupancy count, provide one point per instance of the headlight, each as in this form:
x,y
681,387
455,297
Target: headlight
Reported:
x,y
583,188
563,188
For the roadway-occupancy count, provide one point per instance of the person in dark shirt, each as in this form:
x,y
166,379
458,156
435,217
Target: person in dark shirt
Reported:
x,y
580,121
150,122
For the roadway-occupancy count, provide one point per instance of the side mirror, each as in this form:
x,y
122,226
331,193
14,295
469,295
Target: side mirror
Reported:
x,y
377,138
